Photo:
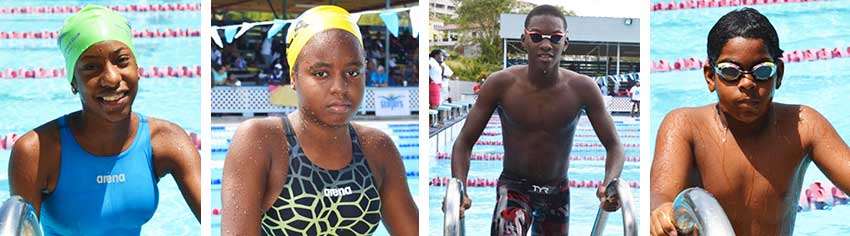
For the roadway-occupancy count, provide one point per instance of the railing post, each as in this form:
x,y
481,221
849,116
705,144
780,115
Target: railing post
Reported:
x,y
452,223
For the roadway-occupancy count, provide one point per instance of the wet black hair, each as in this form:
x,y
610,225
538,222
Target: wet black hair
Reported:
x,y
747,23
546,10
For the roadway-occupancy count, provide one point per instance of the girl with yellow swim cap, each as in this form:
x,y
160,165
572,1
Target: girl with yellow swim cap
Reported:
x,y
314,172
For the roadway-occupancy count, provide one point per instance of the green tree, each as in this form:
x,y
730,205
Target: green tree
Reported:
x,y
478,21
525,8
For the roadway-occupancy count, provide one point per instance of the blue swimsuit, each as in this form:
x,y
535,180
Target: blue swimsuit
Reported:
x,y
96,195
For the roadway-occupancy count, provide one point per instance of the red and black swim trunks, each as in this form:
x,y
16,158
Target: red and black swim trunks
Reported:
x,y
542,207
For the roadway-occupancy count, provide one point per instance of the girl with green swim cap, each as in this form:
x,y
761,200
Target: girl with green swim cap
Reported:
x,y
94,171
314,172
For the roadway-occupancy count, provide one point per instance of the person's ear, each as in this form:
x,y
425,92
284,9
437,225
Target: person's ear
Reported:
x,y
293,79
780,71
566,43
73,87
708,72
522,41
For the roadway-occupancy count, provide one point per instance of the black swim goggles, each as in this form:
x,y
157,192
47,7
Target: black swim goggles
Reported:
x,y
732,72
537,36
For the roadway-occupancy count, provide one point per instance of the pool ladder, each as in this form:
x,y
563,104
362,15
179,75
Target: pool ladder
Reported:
x,y
697,212
452,223
17,217
621,189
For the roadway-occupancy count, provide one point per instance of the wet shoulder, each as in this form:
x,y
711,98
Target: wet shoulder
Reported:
x,y
578,82
160,128
374,141
378,148
504,77
688,117
40,146
42,140
258,140
267,128
804,117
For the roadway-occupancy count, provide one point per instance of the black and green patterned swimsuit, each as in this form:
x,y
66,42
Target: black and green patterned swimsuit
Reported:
x,y
316,201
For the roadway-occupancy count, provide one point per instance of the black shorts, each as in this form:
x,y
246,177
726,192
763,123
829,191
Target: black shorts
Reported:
x,y
522,205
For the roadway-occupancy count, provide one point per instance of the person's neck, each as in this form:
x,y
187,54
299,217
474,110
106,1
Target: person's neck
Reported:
x,y
540,76
753,127
319,133
99,130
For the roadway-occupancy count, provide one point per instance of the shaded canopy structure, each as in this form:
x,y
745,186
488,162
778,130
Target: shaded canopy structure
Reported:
x,y
284,9
234,12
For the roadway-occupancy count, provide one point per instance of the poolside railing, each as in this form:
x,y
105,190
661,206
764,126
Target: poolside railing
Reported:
x,y
623,192
697,212
452,222
17,217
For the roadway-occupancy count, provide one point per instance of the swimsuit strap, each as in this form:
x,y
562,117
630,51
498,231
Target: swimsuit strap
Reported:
x,y
290,132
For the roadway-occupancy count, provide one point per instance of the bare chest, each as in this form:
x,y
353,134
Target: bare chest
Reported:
x,y
548,110
750,176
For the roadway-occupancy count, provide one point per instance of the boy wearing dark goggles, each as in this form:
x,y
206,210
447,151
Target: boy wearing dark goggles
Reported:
x,y
539,105
746,150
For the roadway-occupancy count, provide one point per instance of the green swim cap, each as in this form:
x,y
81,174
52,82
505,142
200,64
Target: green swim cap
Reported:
x,y
93,24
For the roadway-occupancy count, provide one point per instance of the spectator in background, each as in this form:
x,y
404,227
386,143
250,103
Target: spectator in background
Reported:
x,y
616,85
216,55
275,75
377,51
239,62
477,87
435,78
220,76
370,68
414,75
266,51
447,75
634,93
379,77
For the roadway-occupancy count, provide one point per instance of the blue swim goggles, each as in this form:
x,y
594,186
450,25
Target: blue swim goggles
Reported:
x,y
732,72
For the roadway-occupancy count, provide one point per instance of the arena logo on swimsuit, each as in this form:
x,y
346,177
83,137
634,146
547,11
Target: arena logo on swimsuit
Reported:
x,y
336,192
108,179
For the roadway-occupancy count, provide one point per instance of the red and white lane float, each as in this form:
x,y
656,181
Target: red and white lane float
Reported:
x,y
621,130
577,144
821,196
695,4
484,182
787,57
7,141
577,135
500,156
166,7
146,33
150,72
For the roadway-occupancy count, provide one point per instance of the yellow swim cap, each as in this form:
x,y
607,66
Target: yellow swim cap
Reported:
x,y
93,24
314,21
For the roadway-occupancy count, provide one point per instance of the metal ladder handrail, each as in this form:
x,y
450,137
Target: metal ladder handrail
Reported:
x,y
17,217
697,210
452,223
619,188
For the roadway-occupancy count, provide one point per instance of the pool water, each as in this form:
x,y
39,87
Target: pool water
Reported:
x,y
43,53
819,84
405,135
583,201
28,103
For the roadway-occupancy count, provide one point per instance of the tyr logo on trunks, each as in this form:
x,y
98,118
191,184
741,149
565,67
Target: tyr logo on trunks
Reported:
x,y
539,189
